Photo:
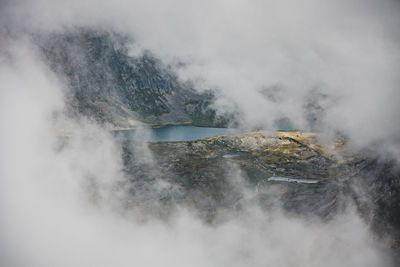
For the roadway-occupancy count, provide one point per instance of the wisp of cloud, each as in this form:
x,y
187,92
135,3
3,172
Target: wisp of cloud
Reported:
x,y
333,66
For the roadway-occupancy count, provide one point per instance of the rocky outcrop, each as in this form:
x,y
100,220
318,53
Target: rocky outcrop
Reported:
x,y
109,85
225,173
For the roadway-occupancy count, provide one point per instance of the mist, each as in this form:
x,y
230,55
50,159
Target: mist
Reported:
x,y
269,59
325,66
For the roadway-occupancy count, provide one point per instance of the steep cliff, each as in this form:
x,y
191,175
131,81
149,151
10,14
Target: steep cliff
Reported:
x,y
109,85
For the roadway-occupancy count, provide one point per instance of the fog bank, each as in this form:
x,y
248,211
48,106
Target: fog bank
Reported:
x,y
329,66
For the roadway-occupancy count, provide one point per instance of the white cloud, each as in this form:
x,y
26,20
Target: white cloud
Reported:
x,y
239,47
350,51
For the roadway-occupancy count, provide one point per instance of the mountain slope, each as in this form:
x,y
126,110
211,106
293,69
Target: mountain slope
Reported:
x,y
110,86
227,173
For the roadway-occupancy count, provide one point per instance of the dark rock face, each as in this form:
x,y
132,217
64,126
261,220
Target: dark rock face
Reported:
x,y
109,85
376,190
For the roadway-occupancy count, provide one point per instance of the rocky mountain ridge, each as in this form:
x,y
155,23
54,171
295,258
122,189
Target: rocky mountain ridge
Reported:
x,y
109,85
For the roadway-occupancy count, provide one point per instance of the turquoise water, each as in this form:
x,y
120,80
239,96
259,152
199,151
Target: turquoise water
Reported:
x,y
172,133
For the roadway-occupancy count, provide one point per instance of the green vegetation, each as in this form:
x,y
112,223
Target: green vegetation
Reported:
x,y
201,113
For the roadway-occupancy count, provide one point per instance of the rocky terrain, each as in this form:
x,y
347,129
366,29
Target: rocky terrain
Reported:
x,y
110,85
225,173
203,169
